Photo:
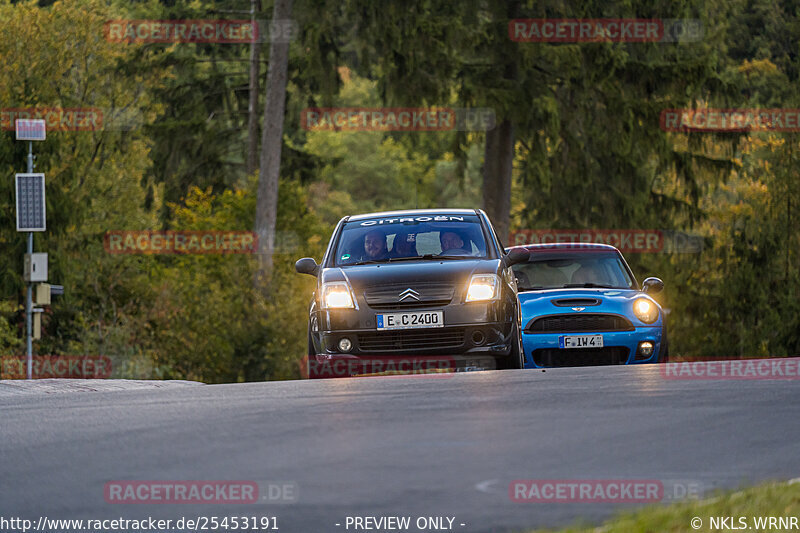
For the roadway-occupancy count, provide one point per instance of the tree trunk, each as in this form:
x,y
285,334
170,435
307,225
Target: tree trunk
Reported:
x,y
498,162
252,106
498,159
271,143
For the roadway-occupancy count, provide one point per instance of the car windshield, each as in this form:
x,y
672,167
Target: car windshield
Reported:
x,y
412,238
570,269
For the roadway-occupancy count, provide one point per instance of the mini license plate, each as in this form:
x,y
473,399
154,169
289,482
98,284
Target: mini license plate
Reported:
x,y
580,341
417,319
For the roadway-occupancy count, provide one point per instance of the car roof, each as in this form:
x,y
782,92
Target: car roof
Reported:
x,y
571,246
414,212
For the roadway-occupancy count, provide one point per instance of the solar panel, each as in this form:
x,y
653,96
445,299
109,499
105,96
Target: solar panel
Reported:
x,y
30,202
30,130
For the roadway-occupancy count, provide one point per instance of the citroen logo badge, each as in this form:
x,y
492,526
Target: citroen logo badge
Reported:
x,y
578,309
409,293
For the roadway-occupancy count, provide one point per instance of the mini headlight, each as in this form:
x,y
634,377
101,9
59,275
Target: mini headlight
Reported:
x,y
483,287
337,295
645,310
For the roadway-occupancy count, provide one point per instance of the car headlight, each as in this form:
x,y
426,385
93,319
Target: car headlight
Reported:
x,y
337,295
483,287
645,310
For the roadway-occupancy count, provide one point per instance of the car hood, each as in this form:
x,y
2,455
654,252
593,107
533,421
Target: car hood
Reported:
x,y
410,272
558,301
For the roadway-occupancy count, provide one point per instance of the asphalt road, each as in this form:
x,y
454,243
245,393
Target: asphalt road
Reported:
x,y
415,446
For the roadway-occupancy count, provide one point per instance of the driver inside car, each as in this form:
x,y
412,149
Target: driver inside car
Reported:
x,y
375,246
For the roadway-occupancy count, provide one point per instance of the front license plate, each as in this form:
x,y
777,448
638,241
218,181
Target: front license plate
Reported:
x,y
423,319
580,341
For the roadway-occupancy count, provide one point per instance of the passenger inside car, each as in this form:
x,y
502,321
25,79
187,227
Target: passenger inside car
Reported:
x,y
590,273
453,243
404,245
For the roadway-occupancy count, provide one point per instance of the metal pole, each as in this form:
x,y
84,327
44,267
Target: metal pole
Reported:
x,y
29,300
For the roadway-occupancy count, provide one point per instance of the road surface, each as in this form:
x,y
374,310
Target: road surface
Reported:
x,y
413,446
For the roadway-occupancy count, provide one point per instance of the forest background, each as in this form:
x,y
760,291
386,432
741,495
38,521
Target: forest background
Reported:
x,y
577,144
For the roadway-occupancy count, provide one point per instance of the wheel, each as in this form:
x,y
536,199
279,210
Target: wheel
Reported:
x,y
310,359
663,354
515,360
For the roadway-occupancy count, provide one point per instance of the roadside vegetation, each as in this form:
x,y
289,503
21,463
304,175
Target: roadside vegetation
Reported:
x,y
773,500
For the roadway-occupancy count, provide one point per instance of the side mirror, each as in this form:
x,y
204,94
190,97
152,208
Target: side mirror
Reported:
x,y
307,265
652,285
515,256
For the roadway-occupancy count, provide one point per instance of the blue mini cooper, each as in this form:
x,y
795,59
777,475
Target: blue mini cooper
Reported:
x,y
582,306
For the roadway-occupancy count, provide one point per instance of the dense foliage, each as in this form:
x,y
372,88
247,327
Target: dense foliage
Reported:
x,y
588,152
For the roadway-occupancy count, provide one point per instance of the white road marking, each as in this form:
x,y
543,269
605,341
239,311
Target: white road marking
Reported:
x,y
484,486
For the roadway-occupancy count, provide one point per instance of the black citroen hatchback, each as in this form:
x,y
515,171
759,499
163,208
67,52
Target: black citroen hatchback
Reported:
x,y
403,291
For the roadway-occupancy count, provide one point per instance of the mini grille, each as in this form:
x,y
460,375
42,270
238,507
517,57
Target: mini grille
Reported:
x,y
579,322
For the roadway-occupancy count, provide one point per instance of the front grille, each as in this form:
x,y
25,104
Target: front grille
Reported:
x,y
575,323
553,357
427,339
430,294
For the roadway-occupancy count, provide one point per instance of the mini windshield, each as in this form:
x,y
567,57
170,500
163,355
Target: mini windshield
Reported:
x,y
570,269
411,238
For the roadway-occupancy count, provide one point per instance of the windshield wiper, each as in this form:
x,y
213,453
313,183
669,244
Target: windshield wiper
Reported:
x,y
567,286
412,257
368,262
426,257
526,289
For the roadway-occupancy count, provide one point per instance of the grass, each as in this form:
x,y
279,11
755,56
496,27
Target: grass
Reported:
x,y
768,500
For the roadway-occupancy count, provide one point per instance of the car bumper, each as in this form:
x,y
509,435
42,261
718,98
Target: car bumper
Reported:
x,y
619,347
468,328
474,335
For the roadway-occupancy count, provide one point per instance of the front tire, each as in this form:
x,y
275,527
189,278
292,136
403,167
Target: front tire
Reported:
x,y
311,355
663,354
515,360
